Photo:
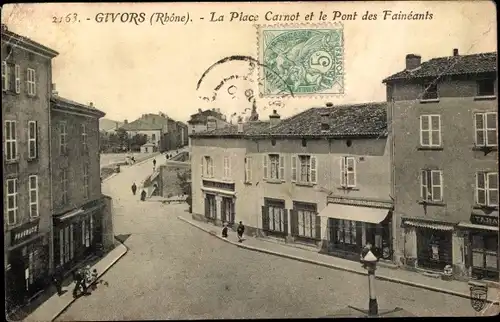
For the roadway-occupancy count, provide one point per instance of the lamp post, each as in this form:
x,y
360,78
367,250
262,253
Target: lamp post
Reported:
x,y
370,263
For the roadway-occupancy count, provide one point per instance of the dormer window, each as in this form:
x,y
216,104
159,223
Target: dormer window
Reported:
x,y
486,87
430,91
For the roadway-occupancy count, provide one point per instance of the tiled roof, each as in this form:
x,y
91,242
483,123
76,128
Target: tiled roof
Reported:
x,y
369,119
58,101
452,65
150,122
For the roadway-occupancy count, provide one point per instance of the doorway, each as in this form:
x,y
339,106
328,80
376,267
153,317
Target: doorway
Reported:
x,y
227,210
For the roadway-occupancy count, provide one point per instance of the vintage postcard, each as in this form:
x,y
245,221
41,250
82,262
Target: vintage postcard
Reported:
x,y
255,160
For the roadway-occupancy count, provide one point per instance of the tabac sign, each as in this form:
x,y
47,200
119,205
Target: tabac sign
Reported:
x,y
484,220
24,232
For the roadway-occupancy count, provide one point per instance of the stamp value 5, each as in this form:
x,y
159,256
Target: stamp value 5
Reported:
x,y
306,60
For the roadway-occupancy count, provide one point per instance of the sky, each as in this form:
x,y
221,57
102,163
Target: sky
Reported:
x,y
128,69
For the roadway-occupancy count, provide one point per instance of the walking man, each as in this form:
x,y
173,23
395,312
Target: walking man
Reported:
x,y
134,188
154,164
240,230
57,280
143,195
77,277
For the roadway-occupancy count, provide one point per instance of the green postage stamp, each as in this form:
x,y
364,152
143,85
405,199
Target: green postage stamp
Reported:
x,y
301,60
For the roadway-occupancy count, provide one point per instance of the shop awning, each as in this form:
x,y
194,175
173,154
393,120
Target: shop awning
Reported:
x,y
429,225
71,214
354,213
474,226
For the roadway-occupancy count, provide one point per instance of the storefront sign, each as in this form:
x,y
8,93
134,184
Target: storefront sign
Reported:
x,y
25,232
218,185
484,220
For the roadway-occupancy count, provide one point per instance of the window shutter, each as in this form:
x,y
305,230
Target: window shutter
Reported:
x,y
61,246
207,207
26,82
480,188
36,139
282,168
264,165
229,167
211,167
249,164
318,227
285,221
293,222
294,168
423,184
202,166
480,126
17,76
351,172
492,186
343,174
265,218
34,82
233,212
225,167
4,76
314,171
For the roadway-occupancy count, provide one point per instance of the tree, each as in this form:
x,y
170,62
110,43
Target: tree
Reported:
x,y
184,181
137,141
123,139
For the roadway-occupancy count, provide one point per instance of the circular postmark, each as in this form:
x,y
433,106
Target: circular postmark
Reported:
x,y
236,78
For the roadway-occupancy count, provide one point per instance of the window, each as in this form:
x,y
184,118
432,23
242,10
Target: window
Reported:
x,y
5,76
346,232
17,79
307,169
487,188
32,139
348,172
63,133
484,255
486,87
227,167
10,141
31,82
64,186
66,246
86,233
431,185
274,167
11,201
306,223
33,195
430,130
276,219
430,91
207,166
84,137
86,191
248,169
486,129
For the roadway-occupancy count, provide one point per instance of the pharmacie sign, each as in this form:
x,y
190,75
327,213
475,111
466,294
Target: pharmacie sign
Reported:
x,y
484,220
25,232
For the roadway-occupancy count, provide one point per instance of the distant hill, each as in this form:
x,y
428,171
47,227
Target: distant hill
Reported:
x,y
107,124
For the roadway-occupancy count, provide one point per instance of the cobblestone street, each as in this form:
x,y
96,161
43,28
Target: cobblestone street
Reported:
x,y
175,271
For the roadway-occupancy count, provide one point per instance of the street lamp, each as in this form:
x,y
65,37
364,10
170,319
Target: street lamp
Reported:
x,y
370,263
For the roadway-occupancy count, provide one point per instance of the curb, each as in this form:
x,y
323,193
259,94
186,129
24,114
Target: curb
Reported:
x,y
310,261
101,274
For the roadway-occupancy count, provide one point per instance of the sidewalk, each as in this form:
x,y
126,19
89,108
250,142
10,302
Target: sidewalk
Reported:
x,y
400,276
55,305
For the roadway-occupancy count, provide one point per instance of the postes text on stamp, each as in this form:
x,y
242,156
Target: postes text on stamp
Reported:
x,y
307,59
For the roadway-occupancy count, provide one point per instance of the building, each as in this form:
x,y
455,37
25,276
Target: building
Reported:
x,y
82,218
206,120
320,178
162,131
26,79
183,131
445,163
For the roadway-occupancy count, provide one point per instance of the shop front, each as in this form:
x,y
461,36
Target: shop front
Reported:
x,y
77,235
219,199
27,271
428,244
481,239
352,223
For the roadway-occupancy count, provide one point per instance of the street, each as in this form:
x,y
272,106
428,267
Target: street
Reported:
x,y
110,158
175,271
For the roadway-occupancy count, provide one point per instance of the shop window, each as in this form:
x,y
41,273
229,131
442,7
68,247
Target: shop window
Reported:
x,y
484,255
276,219
210,207
66,244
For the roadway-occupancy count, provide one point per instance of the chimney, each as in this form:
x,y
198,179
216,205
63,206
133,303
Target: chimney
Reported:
x,y
126,121
274,118
413,61
325,121
199,110
54,91
117,125
91,104
455,51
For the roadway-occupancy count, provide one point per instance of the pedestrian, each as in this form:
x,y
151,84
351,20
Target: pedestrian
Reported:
x,y
94,275
143,195
77,278
240,230
57,280
224,230
154,163
88,275
134,188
